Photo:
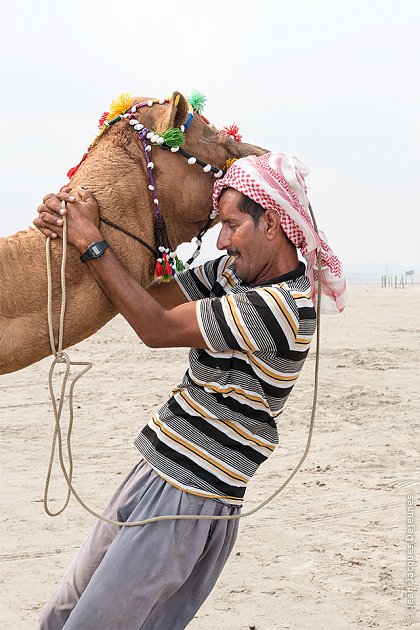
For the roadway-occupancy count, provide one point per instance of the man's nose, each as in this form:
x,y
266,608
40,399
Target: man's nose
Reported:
x,y
223,240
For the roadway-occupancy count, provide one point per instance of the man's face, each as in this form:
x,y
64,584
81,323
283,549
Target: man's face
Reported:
x,y
241,237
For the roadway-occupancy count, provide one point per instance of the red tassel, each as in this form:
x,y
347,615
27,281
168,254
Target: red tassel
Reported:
x,y
233,131
103,119
158,270
167,269
73,170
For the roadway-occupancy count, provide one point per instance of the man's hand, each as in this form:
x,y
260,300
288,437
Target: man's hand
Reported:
x,y
82,217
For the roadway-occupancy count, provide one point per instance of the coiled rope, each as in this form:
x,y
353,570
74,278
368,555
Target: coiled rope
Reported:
x,y
62,357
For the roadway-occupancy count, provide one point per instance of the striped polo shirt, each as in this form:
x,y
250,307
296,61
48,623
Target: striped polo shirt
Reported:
x,y
219,424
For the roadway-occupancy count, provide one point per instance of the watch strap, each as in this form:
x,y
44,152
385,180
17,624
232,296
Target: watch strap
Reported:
x,y
95,250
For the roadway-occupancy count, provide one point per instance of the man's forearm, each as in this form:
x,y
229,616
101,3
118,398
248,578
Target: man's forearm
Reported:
x,y
157,327
138,307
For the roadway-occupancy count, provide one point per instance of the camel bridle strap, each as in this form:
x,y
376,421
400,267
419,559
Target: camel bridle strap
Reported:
x,y
145,244
128,233
61,357
168,141
167,261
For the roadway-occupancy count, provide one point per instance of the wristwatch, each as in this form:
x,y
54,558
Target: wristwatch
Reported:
x,y
94,251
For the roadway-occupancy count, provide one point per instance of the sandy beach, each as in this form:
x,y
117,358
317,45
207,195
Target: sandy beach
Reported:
x,y
329,552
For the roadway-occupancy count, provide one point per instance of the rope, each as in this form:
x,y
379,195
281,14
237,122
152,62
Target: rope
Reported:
x,y
62,357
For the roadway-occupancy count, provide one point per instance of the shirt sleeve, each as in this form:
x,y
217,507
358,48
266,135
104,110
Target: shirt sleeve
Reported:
x,y
196,283
252,321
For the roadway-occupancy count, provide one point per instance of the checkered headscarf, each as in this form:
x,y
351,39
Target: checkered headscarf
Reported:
x,y
276,182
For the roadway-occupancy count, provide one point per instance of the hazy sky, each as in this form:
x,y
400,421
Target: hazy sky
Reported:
x,y
335,83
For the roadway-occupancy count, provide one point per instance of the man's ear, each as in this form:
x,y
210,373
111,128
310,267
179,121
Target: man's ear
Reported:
x,y
175,114
273,223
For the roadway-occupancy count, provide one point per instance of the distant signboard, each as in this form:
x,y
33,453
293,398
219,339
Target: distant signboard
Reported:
x,y
410,273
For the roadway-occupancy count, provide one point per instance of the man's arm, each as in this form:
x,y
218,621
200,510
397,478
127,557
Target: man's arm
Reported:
x,y
156,326
149,317
168,294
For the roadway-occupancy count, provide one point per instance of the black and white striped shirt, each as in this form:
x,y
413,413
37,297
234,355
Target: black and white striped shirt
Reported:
x,y
220,423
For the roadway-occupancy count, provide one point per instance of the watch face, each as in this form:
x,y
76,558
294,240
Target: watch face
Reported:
x,y
95,250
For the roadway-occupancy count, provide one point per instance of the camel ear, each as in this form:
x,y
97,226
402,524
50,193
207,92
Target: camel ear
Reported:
x,y
243,149
177,112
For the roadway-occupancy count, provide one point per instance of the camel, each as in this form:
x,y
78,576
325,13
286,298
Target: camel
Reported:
x,y
115,172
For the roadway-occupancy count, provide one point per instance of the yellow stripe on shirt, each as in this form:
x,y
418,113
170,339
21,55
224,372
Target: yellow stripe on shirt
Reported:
x,y
275,375
239,326
205,414
274,294
191,447
226,273
295,330
229,390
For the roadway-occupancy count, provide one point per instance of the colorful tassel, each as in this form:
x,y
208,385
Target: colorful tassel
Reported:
x,y
167,269
233,131
102,119
179,265
229,163
74,169
158,270
197,100
173,137
120,105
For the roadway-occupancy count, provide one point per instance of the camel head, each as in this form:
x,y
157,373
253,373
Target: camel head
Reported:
x,y
190,188
115,170
184,190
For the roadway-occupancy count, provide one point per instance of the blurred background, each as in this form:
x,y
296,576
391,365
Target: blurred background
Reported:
x,y
334,83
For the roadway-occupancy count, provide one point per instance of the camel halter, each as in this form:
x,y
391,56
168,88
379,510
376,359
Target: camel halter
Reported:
x,y
62,357
167,261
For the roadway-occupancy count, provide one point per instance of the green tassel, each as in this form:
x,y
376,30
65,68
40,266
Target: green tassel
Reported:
x,y
179,265
197,100
173,137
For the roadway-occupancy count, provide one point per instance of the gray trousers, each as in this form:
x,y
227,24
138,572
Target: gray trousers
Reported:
x,y
152,577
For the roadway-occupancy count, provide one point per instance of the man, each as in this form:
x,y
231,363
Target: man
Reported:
x,y
249,318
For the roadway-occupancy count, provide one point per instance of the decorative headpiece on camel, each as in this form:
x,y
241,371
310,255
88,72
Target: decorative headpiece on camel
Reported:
x,y
172,138
117,169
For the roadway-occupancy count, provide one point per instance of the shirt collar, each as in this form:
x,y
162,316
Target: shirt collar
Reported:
x,y
290,275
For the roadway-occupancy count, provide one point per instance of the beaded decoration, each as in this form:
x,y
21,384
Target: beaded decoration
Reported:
x,y
167,262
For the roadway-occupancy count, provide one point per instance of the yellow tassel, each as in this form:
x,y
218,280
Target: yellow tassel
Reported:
x,y
229,163
120,105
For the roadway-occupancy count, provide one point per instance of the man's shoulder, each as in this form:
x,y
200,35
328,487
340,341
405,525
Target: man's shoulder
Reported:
x,y
294,284
288,299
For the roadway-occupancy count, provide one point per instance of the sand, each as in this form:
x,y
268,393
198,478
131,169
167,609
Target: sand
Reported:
x,y
329,552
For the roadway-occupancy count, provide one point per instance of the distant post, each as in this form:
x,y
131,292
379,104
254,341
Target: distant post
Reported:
x,y
409,273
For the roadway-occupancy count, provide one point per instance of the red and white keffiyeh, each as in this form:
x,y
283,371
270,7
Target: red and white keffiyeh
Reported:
x,y
277,182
